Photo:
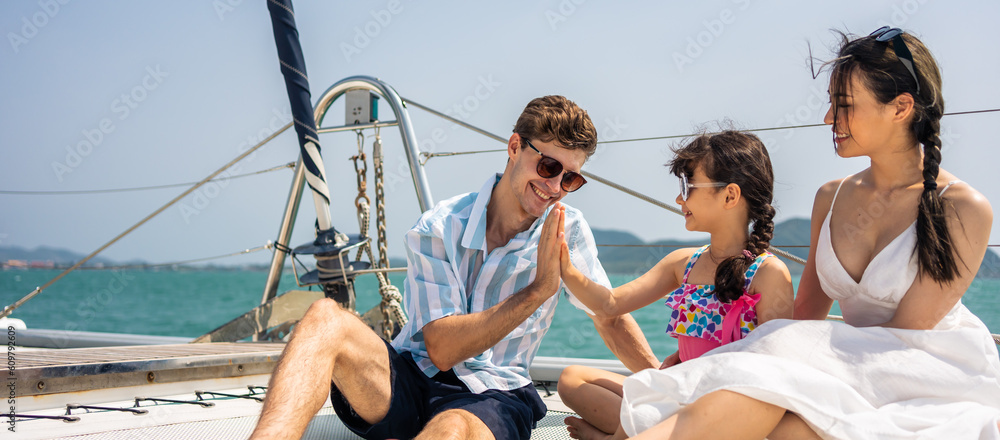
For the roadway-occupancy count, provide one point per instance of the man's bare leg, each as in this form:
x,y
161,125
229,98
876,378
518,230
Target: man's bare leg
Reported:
x,y
455,424
328,344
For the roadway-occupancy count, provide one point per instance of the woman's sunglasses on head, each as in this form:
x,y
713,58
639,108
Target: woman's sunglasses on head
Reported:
x,y
885,34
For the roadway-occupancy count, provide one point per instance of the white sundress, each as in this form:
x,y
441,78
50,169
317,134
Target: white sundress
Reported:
x,y
847,381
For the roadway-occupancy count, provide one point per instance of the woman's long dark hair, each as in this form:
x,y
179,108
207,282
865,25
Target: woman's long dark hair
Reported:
x,y
740,158
881,72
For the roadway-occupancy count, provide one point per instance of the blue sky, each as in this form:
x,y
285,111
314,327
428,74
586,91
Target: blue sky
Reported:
x,y
166,92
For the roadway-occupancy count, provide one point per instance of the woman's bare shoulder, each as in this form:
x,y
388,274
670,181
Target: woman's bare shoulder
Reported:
x,y
825,195
967,202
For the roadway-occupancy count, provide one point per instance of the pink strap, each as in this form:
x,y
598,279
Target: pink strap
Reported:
x,y
731,330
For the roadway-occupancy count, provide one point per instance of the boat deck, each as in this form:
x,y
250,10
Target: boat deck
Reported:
x,y
229,418
49,380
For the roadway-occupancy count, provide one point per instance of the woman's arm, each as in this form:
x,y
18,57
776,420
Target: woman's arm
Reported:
x,y
811,302
970,219
642,291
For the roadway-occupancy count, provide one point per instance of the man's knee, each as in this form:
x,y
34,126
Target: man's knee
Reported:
x,y
324,316
458,424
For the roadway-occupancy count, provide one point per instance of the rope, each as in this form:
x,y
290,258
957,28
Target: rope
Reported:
x,y
383,259
7,310
390,306
283,248
144,188
391,298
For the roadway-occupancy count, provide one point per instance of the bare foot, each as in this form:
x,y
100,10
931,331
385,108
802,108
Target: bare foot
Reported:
x,y
580,429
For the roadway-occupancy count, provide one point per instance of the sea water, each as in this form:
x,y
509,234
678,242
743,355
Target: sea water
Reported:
x,y
190,303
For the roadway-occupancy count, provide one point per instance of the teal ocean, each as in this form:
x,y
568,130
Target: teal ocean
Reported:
x,y
192,303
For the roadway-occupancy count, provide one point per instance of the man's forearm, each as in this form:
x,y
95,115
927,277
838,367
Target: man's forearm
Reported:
x,y
625,339
452,339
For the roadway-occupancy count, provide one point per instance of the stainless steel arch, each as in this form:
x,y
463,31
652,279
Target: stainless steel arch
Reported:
x,y
405,126
298,181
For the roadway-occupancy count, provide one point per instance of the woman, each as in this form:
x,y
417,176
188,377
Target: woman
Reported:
x,y
897,245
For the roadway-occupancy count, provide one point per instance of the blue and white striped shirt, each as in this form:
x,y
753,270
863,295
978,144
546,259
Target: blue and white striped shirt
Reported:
x,y
442,252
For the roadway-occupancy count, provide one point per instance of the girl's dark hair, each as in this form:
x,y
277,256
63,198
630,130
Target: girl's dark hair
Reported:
x,y
740,158
881,71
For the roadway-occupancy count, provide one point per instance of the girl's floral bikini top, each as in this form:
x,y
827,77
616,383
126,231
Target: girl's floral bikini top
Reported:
x,y
696,312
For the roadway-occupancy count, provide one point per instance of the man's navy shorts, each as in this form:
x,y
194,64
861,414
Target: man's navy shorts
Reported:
x,y
416,399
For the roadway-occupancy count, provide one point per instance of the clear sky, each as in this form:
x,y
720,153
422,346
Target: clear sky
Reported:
x,y
166,92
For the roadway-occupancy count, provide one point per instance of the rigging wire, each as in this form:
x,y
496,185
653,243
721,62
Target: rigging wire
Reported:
x,y
143,188
10,308
269,245
427,156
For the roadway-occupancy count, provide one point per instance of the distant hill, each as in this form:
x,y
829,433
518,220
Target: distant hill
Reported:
x,y
792,232
44,253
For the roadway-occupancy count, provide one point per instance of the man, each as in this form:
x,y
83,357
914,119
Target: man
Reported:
x,y
480,293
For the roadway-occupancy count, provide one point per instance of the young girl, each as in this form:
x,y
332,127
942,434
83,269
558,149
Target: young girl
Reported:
x,y
910,361
715,294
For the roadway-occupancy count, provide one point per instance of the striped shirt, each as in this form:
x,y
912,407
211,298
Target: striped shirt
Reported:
x,y
444,250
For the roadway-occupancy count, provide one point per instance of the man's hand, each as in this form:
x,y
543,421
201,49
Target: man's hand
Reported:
x,y
547,277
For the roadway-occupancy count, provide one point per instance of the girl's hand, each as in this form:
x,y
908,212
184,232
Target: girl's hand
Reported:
x,y
671,360
547,277
565,264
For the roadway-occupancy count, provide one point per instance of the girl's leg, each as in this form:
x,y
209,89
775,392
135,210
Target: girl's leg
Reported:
x,y
596,395
582,430
719,415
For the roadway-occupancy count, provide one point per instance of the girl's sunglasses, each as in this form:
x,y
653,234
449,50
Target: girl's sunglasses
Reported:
x,y
686,187
548,168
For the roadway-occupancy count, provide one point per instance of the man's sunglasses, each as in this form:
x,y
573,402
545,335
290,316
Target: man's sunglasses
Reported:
x,y
686,187
886,33
548,168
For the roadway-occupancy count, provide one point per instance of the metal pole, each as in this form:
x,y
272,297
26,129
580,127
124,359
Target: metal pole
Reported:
x,y
285,233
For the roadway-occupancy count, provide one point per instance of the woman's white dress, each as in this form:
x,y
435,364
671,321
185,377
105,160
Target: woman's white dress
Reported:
x,y
844,380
